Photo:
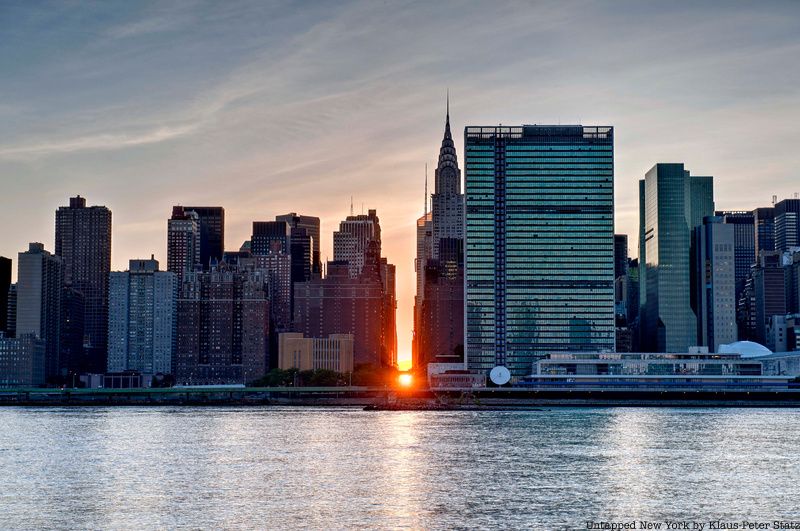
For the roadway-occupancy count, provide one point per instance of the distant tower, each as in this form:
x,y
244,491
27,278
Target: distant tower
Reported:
x,y
183,241
212,233
447,202
83,241
439,303
40,277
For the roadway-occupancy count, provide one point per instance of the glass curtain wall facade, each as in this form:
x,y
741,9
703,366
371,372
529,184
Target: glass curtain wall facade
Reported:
x,y
670,203
539,243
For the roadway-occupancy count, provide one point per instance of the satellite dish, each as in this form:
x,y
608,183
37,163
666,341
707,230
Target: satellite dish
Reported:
x,y
500,375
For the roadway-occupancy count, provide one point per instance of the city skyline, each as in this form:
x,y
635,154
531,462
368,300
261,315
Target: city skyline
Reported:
x,y
259,144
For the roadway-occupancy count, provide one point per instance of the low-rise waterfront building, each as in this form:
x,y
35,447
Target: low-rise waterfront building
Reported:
x,y
334,353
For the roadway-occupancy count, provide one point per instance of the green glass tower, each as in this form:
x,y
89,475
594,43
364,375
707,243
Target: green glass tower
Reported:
x,y
539,243
671,204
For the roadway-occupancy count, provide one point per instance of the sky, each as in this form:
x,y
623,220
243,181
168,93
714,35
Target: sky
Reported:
x,y
270,107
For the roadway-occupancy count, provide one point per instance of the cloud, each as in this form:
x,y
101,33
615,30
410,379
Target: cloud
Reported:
x,y
97,142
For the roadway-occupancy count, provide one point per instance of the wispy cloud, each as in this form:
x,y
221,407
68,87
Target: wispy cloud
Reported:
x,y
97,142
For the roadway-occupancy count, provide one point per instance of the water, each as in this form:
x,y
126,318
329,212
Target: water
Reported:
x,y
328,468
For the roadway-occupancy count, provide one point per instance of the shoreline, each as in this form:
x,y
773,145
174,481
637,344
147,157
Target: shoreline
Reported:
x,y
384,399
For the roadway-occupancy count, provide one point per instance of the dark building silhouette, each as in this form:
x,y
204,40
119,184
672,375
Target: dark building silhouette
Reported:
x,y
183,241
769,291
311,226
442,312
11,311
270,237
744,244
222,326
764,221
620,255
83,241
5,285
340,304
212,233
72,360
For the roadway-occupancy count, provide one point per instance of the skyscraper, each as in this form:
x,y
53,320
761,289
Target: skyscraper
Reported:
x,y
670,203
764,220
539,243
620,255
141,318
439,304
5,284
744,244
212,233
716,289
769,291
351,241
270,237
40,277
447,201
71,358
183,241
787,224
83,241
424,253
312,226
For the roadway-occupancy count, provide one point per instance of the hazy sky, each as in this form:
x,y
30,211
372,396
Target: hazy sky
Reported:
x,y
271,107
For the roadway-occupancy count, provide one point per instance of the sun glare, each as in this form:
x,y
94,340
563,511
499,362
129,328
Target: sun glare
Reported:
x,y
405,379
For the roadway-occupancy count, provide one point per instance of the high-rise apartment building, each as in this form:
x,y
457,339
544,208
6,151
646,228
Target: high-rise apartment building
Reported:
x,y
311,225
212,233
351,242
340,304
5,284
83,241
183,241
142,318
539,243
671,202
22,360
40,277
223,326
716,289
278,267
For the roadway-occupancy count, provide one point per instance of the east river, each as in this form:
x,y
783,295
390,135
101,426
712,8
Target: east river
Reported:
x,y
335,468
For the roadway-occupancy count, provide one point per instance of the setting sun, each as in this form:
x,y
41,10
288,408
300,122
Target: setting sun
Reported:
x,y
405,379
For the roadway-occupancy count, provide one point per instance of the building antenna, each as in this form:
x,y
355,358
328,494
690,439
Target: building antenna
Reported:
x,y
362,208
351,205
426,190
